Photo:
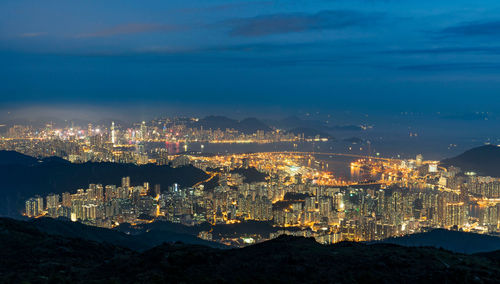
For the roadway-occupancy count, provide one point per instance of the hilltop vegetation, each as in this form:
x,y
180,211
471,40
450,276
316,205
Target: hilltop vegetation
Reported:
x,y
26,254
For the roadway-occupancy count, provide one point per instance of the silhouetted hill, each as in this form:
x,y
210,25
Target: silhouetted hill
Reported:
x,y
247,125
56,160
216,122
250,175
455,241
302,260
16,158
493,255
22,179
140,240
252,124
28,255
484,160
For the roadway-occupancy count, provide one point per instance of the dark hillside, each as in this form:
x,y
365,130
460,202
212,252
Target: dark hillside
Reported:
x,y
484,160
21,178
28,255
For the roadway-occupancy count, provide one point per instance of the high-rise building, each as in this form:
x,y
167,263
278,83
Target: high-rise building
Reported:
x,y
52,201
99,192
110,192
419,160
455,214
157,189
66,199
144,130
125,182
113,137
245,163
40,204
34,206
31,206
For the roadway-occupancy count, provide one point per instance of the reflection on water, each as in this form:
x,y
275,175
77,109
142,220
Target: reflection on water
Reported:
x,y
222,148
355,173
340,166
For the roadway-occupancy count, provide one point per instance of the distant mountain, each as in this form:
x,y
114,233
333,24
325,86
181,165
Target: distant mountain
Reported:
x,y
23,177
455,241
247,125
251,125
28,255
310,132
216,122
484,160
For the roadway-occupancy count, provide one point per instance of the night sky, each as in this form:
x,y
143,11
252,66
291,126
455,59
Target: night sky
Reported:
x,y
424,56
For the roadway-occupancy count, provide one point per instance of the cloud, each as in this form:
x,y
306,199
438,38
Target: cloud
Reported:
x,y
491,28
134,28
300,22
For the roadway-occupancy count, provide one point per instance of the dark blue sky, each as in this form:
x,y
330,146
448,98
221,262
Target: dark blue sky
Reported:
x,y
252,56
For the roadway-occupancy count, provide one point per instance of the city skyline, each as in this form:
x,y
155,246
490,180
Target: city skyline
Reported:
x,y
239,141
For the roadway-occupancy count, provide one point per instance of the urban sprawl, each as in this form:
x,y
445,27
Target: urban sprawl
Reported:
x,y
384,198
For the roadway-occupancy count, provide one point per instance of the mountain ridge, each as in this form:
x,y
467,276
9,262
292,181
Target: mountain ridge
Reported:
x,y
483,160
248,125
456,241
29,255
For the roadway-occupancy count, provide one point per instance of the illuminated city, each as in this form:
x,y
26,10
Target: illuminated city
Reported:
x,y
238,141
382,198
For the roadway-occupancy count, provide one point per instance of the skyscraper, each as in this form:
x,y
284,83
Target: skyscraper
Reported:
x,y
113,137
144,130
125,182
31,207
419,160
52,201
